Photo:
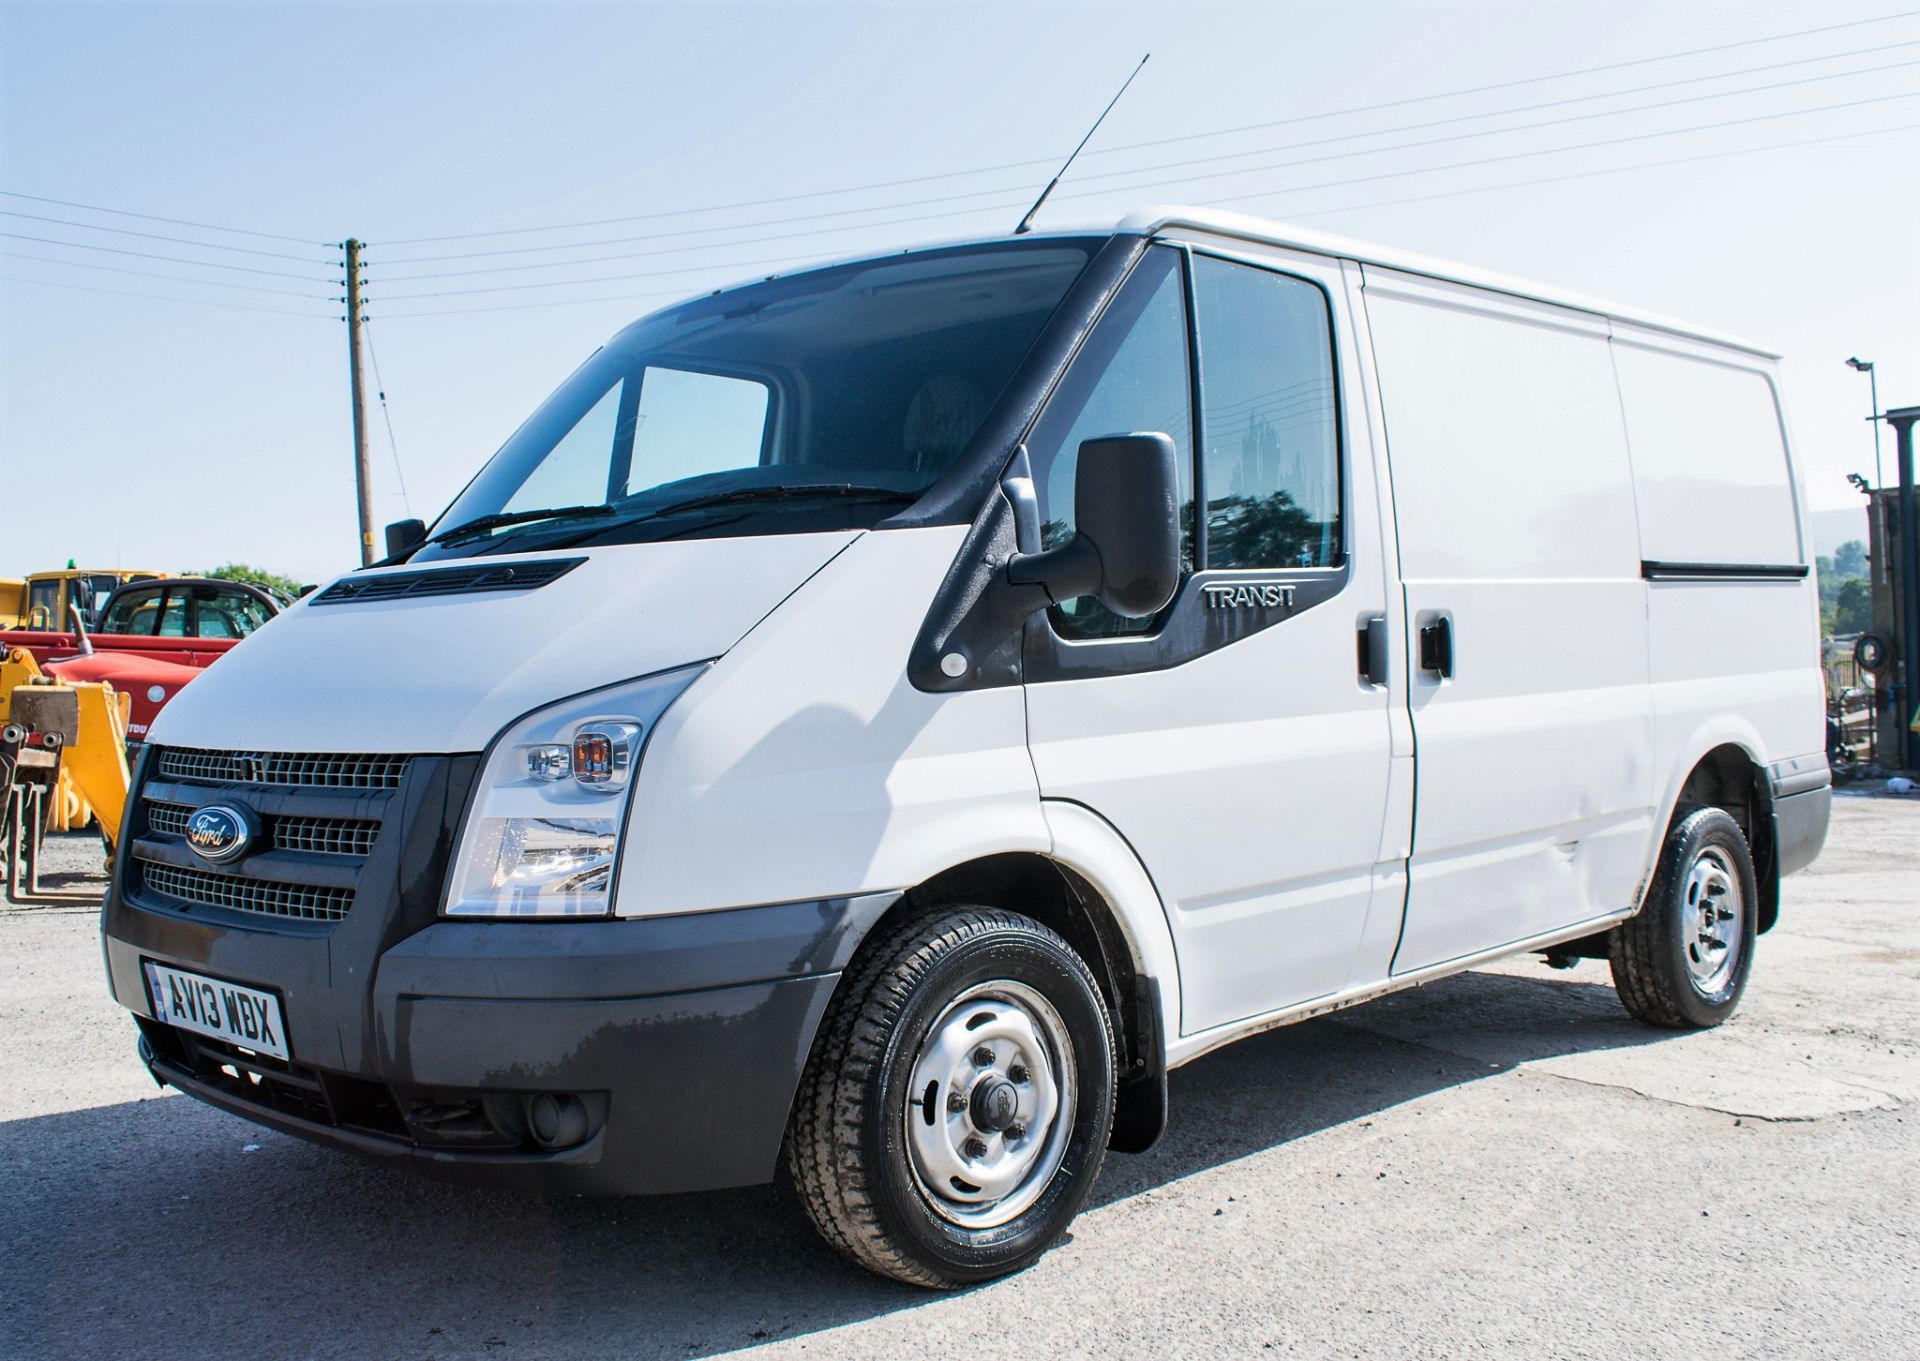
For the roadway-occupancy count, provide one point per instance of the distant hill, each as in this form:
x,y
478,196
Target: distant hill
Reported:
x,y
1831,528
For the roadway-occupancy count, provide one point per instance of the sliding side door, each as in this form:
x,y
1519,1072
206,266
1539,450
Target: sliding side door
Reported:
x,y
1519,550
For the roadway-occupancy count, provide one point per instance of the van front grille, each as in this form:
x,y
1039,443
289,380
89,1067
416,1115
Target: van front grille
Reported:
x,y
324,836
317,820
317,770
297,902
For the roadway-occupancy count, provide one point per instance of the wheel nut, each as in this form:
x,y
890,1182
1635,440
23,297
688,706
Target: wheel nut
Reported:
x,y
976,1148
982,1057
956,1101
1016,1131
1017,1073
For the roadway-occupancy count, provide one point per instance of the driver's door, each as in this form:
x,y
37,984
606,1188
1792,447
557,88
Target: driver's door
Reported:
x,y
1233,740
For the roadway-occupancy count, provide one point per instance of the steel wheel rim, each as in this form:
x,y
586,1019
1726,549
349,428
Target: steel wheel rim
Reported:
x,y
1713,919
999,1051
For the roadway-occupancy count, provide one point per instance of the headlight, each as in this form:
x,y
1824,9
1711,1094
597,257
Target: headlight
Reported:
x,y
543,833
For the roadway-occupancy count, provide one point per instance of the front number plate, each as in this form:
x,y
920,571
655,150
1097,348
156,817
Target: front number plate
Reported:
x,y
226,1011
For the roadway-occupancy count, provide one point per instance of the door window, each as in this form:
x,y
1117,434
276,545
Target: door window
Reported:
x,y
1270,429
226,614
133,612
43,599
1131,376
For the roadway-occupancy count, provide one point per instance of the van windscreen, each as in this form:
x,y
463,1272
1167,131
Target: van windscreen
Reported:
x,y
827,400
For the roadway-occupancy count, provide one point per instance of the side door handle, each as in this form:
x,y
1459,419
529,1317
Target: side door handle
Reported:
x,y
1436,647
1373,650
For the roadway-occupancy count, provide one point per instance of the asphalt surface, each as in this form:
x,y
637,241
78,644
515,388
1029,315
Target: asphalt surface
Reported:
x,y
1500,1165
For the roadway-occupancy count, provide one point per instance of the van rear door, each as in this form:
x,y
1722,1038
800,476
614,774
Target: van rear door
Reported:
x,y
1519,552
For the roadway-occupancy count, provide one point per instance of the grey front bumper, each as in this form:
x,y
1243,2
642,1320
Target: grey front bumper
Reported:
x,y
693,1030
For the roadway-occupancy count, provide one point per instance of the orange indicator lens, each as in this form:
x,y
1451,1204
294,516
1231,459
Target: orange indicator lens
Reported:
x,y
593,758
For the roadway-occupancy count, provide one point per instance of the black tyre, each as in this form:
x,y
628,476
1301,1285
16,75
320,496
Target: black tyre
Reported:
x,y
954,1112
1683,961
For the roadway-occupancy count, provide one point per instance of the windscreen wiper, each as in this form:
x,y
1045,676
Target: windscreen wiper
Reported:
x,y
481,524
741,495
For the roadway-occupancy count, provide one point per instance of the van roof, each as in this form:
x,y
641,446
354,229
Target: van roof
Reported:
x,y
1249,228
1246,227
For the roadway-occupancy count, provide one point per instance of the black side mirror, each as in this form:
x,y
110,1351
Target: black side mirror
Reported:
x,y
1126,493
405,535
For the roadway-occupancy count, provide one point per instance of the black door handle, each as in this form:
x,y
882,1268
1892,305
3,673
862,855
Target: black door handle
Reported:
x,y
1436,646
1373,650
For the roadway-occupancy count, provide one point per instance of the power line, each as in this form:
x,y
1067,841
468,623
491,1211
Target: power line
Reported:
x,y
1180,180
1167,141
170,259
610,278
151,217
164,297
1496,132
173,278
1203,160
157,236
1587,174
1170,165
681,250
1528,80
1318,212
526,306
679,293
380,388
1580,146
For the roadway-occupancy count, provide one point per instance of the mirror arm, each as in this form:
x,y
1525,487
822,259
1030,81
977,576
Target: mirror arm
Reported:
x,y
1058,574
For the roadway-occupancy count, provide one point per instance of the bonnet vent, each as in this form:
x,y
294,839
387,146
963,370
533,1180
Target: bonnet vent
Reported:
x,y
498,576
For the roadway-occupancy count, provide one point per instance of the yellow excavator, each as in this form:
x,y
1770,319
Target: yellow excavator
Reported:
x,y
63,761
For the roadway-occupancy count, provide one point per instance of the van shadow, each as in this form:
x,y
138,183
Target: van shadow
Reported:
x,y
161,1226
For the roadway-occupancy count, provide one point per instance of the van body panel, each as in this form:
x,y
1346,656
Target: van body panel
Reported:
x,y
808,744
1711,474
1734,660
445,673
1517,534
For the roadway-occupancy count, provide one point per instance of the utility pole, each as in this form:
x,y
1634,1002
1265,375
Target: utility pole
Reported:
x,y
1908,712
356,377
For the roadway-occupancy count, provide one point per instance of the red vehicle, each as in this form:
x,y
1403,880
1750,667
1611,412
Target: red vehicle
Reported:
x,y
153,637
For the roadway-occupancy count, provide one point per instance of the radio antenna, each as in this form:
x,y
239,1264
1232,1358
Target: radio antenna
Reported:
x,y
1026,223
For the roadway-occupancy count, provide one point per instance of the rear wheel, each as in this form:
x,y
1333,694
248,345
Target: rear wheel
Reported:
x,y
955,1110
1683,962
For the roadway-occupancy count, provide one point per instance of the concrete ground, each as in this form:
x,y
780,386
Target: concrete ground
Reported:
x,y
1502,1164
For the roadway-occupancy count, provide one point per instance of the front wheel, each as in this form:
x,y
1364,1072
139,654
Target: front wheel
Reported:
x,y
955,1110
1683,962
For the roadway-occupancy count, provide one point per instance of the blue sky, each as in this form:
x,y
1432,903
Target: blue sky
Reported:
x,y
173,433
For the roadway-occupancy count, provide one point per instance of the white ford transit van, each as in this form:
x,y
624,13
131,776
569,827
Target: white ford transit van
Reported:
x,y
888,716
